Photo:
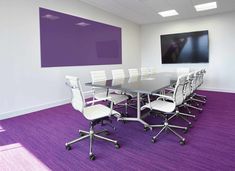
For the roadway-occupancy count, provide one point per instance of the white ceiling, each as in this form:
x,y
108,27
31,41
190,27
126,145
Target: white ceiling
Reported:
x,y
146,11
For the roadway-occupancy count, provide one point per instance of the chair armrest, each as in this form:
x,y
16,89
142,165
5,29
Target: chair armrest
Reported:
x,y
86,92
98,100
169,89
68,84
164,96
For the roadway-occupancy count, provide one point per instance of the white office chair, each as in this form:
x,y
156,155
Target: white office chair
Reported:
x,y
186,93
182,71
152,70
167,105
94,113
133,76
99,76
119,75
133,72
179,71
192,79
198,83
144,71
99,93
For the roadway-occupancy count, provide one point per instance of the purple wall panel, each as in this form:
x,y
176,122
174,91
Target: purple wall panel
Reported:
x,y
73,41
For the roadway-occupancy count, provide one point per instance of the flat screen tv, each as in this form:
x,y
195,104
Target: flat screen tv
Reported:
x,y
191,47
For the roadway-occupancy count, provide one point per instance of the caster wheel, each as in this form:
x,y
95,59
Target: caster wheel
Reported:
x,y
68,147
190,125
195,118
182,142
117,146
186,130
146,129
153,140
92,157
81,134
107,133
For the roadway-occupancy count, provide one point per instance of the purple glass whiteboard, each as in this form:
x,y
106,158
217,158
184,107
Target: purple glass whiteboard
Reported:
x,y
68,40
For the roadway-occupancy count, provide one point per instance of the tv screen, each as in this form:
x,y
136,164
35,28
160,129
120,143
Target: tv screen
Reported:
x,y
191,47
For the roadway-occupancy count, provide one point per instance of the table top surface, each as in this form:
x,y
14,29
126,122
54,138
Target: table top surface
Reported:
x,y
141,84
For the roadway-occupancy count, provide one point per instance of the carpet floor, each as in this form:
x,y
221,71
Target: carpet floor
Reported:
x,y
36,141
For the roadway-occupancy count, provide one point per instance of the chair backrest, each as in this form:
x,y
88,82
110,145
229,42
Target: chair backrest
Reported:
x,y
116,82
145,71
197,79
182,71
188,86
78,101
201,77
179,89
97,76
152,70
132,79
194,81
203,74
118,73
133,72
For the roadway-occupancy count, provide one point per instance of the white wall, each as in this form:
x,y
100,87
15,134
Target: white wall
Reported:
x,y
25,86
221,66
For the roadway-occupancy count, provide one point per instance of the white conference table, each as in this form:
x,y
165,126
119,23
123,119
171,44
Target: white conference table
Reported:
x,y
147,84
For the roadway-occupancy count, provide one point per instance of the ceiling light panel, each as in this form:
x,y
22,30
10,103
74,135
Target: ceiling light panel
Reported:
x,y
168,13
206,6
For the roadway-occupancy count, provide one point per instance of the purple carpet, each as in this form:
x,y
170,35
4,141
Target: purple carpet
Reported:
x,y
36,142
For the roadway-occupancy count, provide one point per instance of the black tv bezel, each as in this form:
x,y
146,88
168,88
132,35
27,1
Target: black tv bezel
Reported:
x,y
186,33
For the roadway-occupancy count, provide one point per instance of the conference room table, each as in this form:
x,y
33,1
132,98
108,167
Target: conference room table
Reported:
x,y
147,84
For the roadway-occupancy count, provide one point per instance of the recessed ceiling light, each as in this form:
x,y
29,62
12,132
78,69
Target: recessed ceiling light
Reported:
x,y
168,13
50,17
206,6
83,24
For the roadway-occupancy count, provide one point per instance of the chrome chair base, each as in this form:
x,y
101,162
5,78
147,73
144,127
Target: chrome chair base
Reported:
x,y
200,96
91,135
191,106
183,116
166,126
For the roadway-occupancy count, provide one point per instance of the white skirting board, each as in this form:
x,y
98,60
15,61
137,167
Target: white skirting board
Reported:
x,y
217,90
24,111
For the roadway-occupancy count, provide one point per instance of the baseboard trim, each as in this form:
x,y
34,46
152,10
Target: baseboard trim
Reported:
x,y
36,108
25,111
217,90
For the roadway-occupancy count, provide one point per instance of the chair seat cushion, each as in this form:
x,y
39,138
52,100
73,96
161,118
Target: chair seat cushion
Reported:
x,y
132,94
100,95
160,105
170,94
97,111
115,98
